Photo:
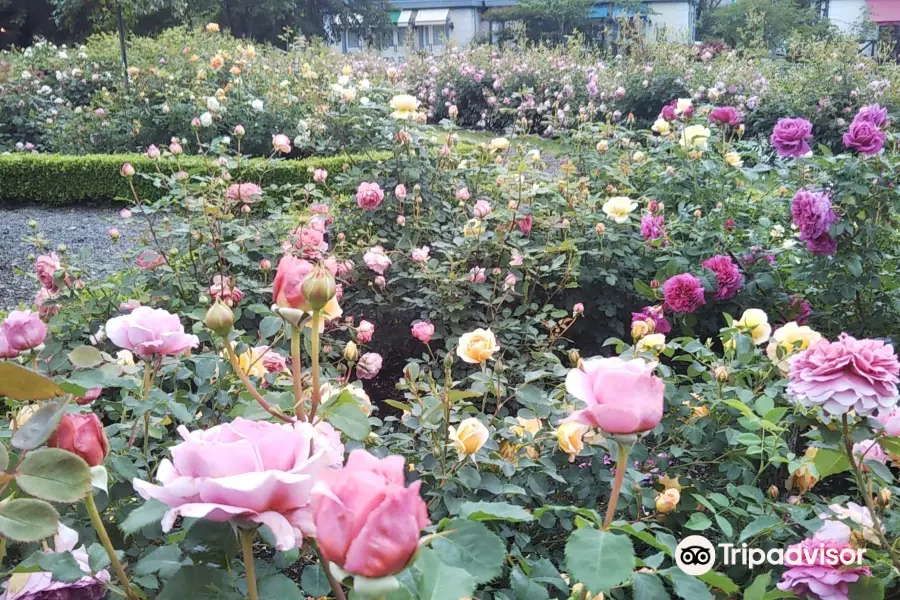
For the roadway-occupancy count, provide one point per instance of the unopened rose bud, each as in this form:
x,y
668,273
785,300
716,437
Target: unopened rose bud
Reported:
x,y
600,228
698,213
127,170
265,265
773,492
574,357
721,373
654,283
81,434
220,318
318,288
113,233
351,352
239,131
883,499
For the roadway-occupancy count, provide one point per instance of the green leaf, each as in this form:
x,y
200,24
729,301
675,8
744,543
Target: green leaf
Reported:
x,y
179,411
440,581
345,414
648,587
687,586
62,565
4,458
599,559
725,525
866,588
759,525
165,560
269,326
721,581
314,581
199,583
473,547
279,587
494,511
85,357
698,522
526,589
55,475
19,383
38,429
757,589
27,520
98,559
828,462
149,513
891,445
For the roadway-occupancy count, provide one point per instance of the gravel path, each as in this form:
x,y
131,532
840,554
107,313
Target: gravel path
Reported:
x,y
82,229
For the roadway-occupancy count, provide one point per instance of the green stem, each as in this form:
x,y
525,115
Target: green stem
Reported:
x,y
148,382
621,465
247,536
107,545
296,372
334,583
314,350
248,385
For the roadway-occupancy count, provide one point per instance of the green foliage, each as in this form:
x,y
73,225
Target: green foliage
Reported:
x,y
755,24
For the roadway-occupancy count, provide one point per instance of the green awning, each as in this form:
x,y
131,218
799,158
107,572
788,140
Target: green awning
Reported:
x,y
394,17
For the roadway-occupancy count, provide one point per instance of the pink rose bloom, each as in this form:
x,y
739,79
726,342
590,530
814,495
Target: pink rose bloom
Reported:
x,y
516,260
864,137
44,302
247,193
23,330
45,266
150,332
369,365
376,259
790,135
365,332
272,361
814,575
482,209
420,255
223,289
890,420
683,293
869,450
653,227
6,351
150,259
129,305
369,195
477,275
622,396
344,267
153,152
320,175
668,113
89,396
725,115
847,374
874,114
422,331
510,281
309,238
578,308
655,314
247,472
462,194
175,148
525,224
40,585
400,191
727,275
367,522
281,143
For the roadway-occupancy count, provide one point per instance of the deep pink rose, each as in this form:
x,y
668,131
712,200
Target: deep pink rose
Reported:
x,y
622,396
811,574
864,137
683,293
654,313
847,374
422,331
369,365
369,195
668,113
248,193
790,135
24,330
150,332
81,434
725,115
367,521
727,275
45,266
653,228
525,224
247,472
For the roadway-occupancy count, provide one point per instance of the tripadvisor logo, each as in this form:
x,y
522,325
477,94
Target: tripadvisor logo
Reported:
x,y
696,555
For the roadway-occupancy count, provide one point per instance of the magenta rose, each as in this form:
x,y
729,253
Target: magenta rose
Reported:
x,y
864,137
847,374
150,332
249,472
728,275
790,135
23,330
653,228
725,115
622,396
874,114
367,521
668,113
654,313
6,351
811,574
812,214
369,195
683,293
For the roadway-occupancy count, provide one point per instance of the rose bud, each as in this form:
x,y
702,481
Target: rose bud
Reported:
x,y
351,351
318,288
220,318
82,435
127,170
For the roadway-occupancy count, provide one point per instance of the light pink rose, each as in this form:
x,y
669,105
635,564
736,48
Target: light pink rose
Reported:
x,y
369,365
400,191
869,450
482,209
890,421
369,195
150,332
367,521
365,332
272,361
320,175
463,194
45,266
44,301
578,308
129,305
422,331
622,396
248,193
153,152
282,143
377,260
150,259
6,351
223,289
477,275
89,396
24,330
247,472
420,255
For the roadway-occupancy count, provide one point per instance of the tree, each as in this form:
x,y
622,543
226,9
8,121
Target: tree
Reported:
x,y
763,24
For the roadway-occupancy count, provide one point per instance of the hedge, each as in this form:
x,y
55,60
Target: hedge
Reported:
x,y
58,180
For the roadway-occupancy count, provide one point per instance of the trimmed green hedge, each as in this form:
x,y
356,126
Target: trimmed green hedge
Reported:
x,y
63,179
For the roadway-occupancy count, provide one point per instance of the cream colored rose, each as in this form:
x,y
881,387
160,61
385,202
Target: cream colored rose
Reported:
x,y
500,144
694,136
641,328
125,358
733,159
477,346
668,500
602,146
661,126
755,322
570,437
531,426
618,208
654,342
470,436
791,339
682,105
404,106
212,27
638,156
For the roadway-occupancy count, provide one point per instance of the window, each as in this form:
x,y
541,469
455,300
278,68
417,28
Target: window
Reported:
x,y
390,38
352,39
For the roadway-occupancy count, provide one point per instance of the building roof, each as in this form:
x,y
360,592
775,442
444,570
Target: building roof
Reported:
x,y
885,12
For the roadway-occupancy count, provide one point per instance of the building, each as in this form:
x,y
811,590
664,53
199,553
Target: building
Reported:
x,y
433,25
869,19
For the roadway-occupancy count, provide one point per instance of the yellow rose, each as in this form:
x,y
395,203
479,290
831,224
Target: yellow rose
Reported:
x,y
694,136
661,126
473,227
404,106
655,342
470,436
531,426
756,323
668,500
477,346
251,362
791,338
682,105
638,156
570,437
347,70
733,159
641,328
618,208
500,144
212,27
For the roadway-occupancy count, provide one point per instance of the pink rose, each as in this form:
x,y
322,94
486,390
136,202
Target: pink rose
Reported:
x,y
89,396
376,259
482,209
282,143
420,255
272,361
462,194
365,331
247,193
150,259
525,224
578,308
477,275
367,522
369,195
622,396
83,435
24,330
400,191
810,573
223,289
150,332
422,331
44,301
369,365
129,305
6,351
45,266
320,175
247,472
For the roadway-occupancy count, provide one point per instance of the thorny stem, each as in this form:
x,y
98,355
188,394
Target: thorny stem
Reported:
x,y
297,373
622,461
247,536
236,365
107,545
314,351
